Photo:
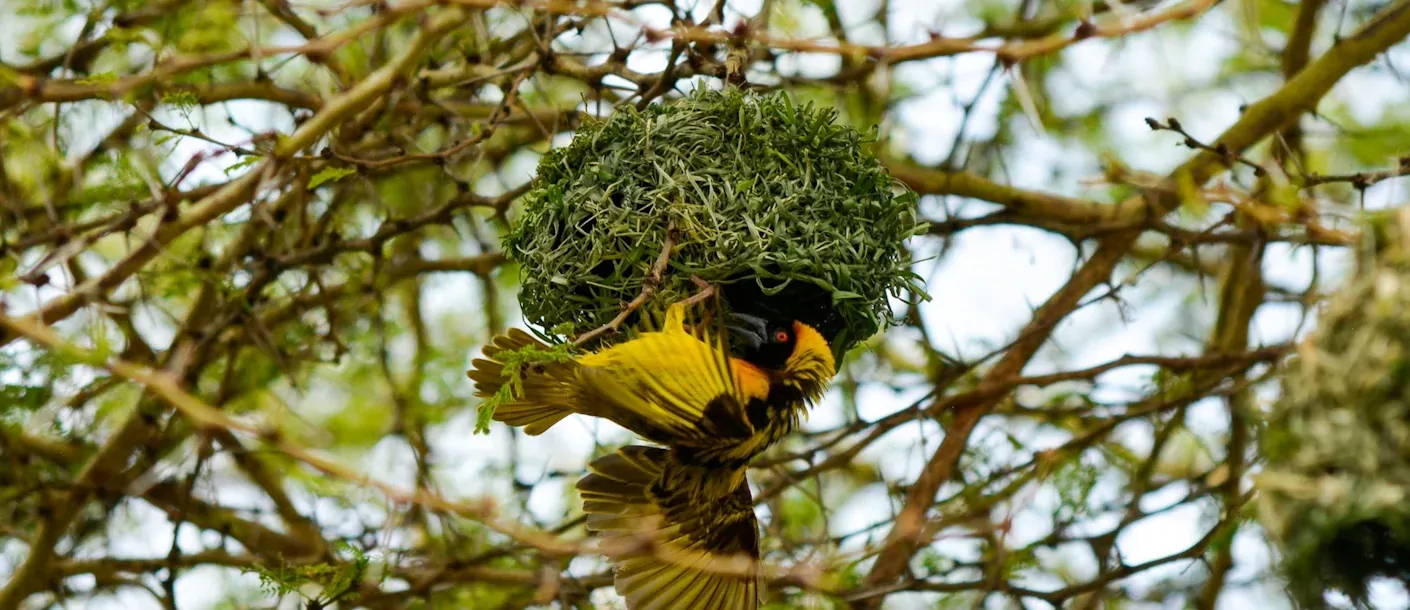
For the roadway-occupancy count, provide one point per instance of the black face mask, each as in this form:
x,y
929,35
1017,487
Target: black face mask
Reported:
x,y
762,343
801,301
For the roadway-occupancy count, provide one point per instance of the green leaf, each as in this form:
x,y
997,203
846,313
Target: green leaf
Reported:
x,y
183,100
334,580
330,174
243,163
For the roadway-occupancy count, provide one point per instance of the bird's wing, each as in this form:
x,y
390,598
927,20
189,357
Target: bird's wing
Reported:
x,y
545,395
675,384
682,551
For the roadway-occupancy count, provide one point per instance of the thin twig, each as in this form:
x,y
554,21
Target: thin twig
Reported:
x,y
648,290
707,290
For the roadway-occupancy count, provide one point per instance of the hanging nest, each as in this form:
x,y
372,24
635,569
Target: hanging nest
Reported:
x,y
773,201
1336,492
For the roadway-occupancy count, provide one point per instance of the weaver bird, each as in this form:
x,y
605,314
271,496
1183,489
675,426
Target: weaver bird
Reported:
x,y
710,411
677,387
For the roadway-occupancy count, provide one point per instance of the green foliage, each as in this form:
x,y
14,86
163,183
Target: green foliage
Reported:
x,y
1379,142
514,362
329,174
18,400
1074,481
182,100
801,515
362,418
121,38
205,28
243,163
1017,561
759,188
110,190
8,281
334,582
934,562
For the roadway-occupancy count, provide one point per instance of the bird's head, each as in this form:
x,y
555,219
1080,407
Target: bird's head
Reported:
x,y
791,351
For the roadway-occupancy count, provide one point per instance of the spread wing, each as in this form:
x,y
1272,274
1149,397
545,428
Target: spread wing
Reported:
x,y
691,552
674,385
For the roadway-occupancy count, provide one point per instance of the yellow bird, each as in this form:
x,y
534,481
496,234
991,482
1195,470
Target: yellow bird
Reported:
x,y
711,412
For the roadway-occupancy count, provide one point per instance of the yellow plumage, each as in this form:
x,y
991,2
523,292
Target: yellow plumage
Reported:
x,y
658,385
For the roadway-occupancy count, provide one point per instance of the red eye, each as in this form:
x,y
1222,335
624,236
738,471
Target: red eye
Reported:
x,y
781,336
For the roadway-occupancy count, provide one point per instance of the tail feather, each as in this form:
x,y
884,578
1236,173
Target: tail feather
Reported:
x,y
547,390
702,552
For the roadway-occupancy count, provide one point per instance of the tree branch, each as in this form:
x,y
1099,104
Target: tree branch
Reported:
x,y
1258,121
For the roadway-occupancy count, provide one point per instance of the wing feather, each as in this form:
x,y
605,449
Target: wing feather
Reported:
x,y
705,555
674,384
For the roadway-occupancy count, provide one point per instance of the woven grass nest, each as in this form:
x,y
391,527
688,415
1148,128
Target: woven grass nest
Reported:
x,y
1335,494
773,201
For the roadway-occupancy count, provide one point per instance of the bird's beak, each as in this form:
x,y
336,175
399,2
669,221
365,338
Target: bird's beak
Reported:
x,y
749,329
